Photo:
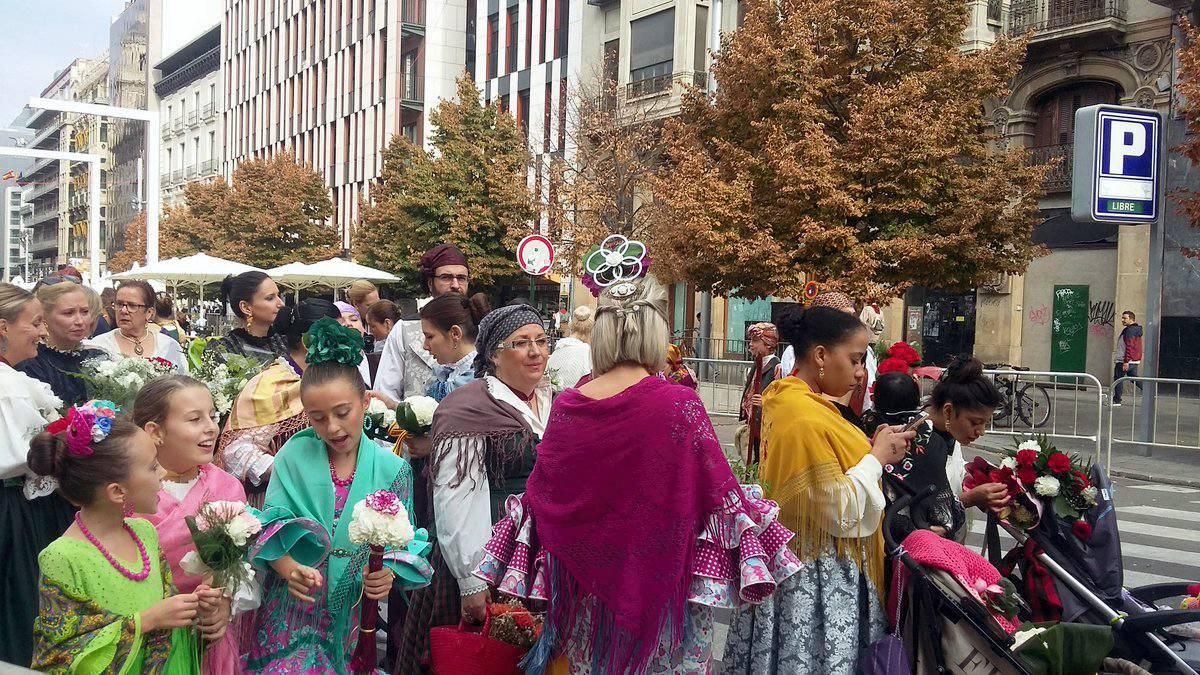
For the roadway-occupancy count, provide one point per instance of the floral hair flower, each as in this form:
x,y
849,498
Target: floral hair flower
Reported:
x,y
84,425
330,342
617,259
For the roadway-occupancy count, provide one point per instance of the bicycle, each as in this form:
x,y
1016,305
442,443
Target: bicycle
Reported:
x,y
1028,401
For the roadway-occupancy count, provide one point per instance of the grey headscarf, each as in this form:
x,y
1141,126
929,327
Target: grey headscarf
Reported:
x,y
497,325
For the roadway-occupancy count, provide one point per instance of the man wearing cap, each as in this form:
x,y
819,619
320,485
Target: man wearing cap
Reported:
x,y
405,368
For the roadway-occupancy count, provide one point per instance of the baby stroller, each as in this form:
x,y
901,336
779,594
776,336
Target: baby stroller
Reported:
x,y
1088,582
947,629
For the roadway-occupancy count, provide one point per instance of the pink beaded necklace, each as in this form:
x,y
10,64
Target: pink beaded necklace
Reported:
x,y
341,482
132,576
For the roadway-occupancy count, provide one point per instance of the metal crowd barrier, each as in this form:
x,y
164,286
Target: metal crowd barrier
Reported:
x,y
1061,406
722,382
1176,424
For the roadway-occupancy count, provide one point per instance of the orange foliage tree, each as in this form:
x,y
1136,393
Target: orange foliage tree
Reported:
x,y
847,140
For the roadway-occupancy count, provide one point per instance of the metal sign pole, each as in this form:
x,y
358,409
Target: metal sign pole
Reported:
x,y
1153,328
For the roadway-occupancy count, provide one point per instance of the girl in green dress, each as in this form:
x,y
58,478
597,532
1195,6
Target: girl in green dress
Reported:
x,y
107,602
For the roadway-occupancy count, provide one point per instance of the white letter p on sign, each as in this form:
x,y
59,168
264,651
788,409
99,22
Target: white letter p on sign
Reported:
x,y
1127,139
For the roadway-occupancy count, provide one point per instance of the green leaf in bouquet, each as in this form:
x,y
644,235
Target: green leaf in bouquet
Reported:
x,y
1066,648
1063,507
406,419
195,354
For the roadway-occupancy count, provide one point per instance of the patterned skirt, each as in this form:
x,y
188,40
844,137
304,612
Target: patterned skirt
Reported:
x,y
818,621
434,605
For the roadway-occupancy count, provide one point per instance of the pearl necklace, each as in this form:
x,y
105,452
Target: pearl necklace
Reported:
x,y
132,576
341,482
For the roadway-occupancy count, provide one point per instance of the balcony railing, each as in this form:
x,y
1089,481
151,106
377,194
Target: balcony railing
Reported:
x,y
1059,177
208,167
209,112
663,83
412,92
177,175
1051,15
179,123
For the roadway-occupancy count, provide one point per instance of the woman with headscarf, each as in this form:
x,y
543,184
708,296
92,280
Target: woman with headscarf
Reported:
x,y
633,560
762,339
676,370
484,439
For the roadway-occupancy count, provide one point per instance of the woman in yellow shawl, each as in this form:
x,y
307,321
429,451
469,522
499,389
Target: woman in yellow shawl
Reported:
x,y
268,411
825,475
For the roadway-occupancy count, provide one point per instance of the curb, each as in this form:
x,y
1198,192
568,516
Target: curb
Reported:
x,y
1113,473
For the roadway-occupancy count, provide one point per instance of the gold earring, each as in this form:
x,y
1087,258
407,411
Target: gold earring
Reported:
x,y
821,373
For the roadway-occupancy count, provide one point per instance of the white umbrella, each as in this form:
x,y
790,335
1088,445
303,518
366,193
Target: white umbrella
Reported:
x,y
196,270
335,273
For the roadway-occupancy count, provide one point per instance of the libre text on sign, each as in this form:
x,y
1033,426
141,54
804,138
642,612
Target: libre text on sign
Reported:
x,y
1116,173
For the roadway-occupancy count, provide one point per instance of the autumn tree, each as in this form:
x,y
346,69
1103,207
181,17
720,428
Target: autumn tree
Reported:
x,y
273,213
470,190
847,140
1189,107
604,186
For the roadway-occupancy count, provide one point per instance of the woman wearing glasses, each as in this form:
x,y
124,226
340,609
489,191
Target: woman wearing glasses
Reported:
x,y
133,337
60,356
484,439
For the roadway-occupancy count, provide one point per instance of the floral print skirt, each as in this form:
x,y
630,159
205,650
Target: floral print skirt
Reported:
x,y
818,621
693,657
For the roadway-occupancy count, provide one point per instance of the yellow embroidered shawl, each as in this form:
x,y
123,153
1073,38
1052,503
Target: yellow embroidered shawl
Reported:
x,y
808,448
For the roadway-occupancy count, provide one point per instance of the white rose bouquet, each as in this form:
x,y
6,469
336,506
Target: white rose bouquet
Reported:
x,y
222,532
120,380
414,415
379,521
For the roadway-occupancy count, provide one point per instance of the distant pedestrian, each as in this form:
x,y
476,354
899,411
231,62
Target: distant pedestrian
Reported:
x,y
572,357
1128,354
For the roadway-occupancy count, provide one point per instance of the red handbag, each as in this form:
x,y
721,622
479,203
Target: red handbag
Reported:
x,y
467,650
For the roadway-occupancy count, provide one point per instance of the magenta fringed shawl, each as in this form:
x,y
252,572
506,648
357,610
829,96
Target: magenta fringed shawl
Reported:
x,y
621,489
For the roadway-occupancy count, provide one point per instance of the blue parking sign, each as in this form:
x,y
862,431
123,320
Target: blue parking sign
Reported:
x,y
1117,156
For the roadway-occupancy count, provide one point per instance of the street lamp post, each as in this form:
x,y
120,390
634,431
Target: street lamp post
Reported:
x,y
153,140
93,196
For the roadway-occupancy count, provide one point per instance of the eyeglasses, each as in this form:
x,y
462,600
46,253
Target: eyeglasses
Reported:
x,y
542,344
52,280
450,278
128,306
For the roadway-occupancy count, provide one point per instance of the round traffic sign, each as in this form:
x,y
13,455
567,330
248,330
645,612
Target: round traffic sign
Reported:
x,y
535,255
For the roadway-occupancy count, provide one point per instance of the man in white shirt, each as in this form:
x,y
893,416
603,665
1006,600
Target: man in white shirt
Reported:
x,y
405,368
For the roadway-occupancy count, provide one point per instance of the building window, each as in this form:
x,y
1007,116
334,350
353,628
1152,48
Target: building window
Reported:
x,y
410,132
493,43
548,106
542,35
523,111
510,64
471,8
701,56
652,53
528,33
1056,112
561,19
504,104
562,115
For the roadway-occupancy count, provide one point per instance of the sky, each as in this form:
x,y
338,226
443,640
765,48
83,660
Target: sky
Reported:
x,y
39,38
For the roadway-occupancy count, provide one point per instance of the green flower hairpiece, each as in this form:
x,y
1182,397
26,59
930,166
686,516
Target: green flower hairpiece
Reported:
x,y
330,342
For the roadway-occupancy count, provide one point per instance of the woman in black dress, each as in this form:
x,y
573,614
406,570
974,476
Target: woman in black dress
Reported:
x,y
60,356
255,300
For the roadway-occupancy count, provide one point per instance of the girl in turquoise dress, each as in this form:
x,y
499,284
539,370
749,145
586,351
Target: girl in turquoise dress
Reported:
x,y
308,621
107,602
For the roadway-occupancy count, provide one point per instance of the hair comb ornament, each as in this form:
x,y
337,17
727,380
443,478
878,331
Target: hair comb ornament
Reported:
x,y
616,263
84,425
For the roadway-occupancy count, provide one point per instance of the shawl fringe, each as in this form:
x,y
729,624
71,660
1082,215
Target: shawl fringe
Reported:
x,y
611,648
500,451
804,504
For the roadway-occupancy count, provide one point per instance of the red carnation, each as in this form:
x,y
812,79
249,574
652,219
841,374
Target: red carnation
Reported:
x,y
1194,589
1082,480
1027,474
892,365
1059,463
904,352
523,619
1082,530
1027,457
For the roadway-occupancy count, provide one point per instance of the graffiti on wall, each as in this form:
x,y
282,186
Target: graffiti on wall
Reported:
x,y
1101,317
1039,315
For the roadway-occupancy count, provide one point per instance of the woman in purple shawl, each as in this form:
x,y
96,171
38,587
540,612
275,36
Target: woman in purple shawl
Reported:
x,y
633,527
484,439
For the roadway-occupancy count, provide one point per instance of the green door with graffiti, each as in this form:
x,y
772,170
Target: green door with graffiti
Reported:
x,y
1069,330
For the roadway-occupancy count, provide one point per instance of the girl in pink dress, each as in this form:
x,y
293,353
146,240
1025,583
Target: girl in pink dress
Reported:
x,y
177,411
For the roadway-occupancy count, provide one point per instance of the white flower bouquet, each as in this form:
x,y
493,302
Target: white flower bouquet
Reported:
x,y
120,380
378,421
225,374
415,415
379,521
222,532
